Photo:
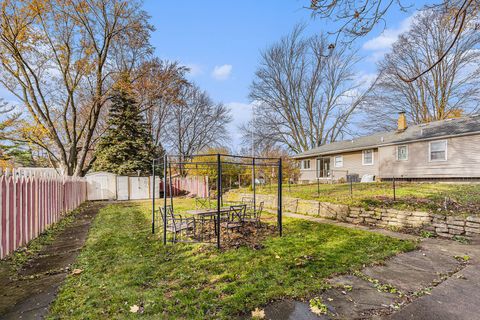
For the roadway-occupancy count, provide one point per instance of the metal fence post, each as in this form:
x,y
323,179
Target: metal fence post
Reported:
x,y
318,186
394,190
165,199
351,187
219,191
153,197
279,209
254,186
170,191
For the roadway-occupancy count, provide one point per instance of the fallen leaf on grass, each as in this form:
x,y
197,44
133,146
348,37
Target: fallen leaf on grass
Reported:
x,y
134,308
258,314
77,271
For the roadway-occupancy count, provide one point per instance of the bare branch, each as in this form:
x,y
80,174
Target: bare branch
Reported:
x,y
449,89
305,96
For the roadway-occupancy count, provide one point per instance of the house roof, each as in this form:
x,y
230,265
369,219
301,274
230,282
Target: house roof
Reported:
x,y
426,131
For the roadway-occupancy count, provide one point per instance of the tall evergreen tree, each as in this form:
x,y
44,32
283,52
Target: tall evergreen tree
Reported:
x,y
127,146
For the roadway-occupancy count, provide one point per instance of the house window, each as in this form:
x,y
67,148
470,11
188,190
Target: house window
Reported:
x,y
367,158
306,164
338,161
402,153
438,150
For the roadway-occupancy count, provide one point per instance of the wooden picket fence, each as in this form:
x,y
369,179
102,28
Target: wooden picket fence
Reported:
x,y
192,185
31,202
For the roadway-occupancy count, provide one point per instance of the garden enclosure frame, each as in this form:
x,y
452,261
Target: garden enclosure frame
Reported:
x,y
216,162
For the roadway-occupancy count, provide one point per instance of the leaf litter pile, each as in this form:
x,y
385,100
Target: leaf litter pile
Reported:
x,y
448,205
249,235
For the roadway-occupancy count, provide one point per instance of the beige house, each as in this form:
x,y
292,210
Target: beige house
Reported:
x,y
445,150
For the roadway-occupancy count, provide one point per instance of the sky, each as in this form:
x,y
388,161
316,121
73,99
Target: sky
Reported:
x,y
221,42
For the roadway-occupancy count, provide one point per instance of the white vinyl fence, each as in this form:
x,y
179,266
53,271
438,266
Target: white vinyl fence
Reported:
x,y
109,186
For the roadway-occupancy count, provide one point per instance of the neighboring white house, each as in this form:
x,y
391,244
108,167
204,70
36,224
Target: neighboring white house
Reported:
x,y
442,150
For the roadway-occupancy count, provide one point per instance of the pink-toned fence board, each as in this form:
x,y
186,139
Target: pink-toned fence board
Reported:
x,y
30,204
192,185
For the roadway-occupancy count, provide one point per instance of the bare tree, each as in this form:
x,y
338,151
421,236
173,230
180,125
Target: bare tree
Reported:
x,y
358,18
196,123
304,97
158,87
355,18
451,88
59,59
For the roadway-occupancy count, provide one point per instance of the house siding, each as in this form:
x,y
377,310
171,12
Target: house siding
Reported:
x,y
463,160
352,164
309,175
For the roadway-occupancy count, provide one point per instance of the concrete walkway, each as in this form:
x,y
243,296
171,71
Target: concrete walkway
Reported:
x,y
27,293
440,280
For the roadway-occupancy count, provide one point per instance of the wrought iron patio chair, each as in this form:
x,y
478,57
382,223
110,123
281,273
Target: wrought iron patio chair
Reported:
x,y
235,217
178,224
159,217
253,215
247,200
202,203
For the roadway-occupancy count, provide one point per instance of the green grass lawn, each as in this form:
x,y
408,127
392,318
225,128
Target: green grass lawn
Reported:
x,y
124,265
462,198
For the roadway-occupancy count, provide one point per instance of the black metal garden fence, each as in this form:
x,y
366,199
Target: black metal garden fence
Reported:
x,y
197,225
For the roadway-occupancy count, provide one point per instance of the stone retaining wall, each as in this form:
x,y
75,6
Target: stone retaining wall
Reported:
x,y
449,226
444,226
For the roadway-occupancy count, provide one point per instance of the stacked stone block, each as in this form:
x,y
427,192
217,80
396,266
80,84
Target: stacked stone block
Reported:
x,y
444,226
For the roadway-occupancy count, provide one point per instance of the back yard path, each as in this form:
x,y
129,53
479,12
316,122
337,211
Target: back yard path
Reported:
x,y
440,280
27,291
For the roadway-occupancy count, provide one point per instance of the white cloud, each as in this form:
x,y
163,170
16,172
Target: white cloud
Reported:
x,y
382,44
365,79
222,72
241,112
195,69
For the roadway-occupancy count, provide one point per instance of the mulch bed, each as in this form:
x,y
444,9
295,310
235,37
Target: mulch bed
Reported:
x,y
449,205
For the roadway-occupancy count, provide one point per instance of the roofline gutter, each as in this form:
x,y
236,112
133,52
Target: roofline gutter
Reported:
x,y
303,156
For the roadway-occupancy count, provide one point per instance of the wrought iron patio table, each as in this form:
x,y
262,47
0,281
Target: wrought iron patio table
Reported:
x,y
209,213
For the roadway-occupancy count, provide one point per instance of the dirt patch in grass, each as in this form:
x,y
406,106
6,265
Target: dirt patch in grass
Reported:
x,y
449,205
249,235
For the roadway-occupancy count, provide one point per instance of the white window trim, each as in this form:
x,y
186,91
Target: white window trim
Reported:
x,y
303,164
430,151
335,161
398,159
363,158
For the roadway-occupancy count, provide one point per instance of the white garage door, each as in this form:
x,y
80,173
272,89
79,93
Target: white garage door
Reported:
x,y
158,182
101,186
122,188
139,188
